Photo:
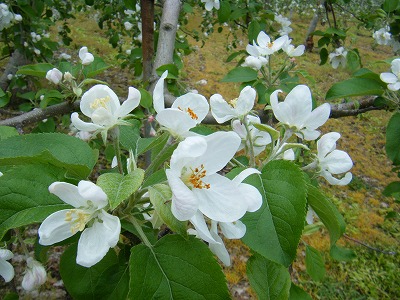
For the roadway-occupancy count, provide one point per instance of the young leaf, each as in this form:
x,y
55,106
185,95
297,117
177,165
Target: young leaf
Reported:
x,y
315,264
160,197
25,197
297,293
393,139
270,280
96,67
6,132
240,74
39,70
175,268
342,254
274,230
119,187
327,212
354,87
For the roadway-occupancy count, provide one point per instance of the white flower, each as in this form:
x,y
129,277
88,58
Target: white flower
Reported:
x,y
88,201
210,4
236,108
291,51
18,17
65,56
196,185
267,46
6,269
128,26
256,60
338,57
382,36
259,138
54,75
37,51
393,79
86,57
10,76
128,51
332,161
68,77
102,105
35,275
296,112
185,113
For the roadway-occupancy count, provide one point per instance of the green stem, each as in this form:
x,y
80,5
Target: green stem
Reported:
x,y
117,149
250,148
22,242
140,231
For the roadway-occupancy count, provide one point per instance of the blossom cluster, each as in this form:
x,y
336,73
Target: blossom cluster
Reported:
x,y
384,37
7,17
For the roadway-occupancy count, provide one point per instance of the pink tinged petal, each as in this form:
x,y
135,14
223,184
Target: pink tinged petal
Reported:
x,y
394,86
223,201
234,230
318,116
177,122
220,109
129,104
93,193
334,181
68,193
6,270
83,126
89,102
55,228
195,105
184,202
94,243
158,93
221,147
337,162
327,143
245,101
201,228
219,248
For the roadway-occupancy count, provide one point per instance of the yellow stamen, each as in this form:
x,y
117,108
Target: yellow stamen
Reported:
x,y
196,177
269,45
233,102
190,112
100,102
78,219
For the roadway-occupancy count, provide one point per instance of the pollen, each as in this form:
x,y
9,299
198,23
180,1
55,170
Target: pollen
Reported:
x,y
100,102
196,177
190,112
78,219
233,102
269,45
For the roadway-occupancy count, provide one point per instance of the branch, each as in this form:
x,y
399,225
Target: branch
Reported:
x,y
353,108
17,59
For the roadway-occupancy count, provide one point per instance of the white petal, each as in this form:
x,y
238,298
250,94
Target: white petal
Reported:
x,y
196,103
158,93
82,52
55,228
299,51
6,270
332,180
337,162
81,125
263,39
104,117
95,241
186,151
129,104
252,50
177,122
251,196
239,128
244,174
310,216
201,227
68,193
223,201
245,101
220,109
318,116
6,254
327,143
219,248
308,134
100,91
234,230
394,86
300,102
91,192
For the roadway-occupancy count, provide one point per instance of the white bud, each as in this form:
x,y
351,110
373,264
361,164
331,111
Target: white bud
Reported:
x,y
68,77
129,51
37,51
54,75
10,76
128,25
85,56
35,275
26,44
41,97
18,17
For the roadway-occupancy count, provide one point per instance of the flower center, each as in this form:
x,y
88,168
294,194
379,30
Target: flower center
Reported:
x,y
270,44
100,102
194,178
78,219
190,112
233,102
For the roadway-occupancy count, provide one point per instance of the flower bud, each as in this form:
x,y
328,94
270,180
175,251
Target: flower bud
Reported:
x,y
18,17
128,25
86,57
35,275
68,77
54,75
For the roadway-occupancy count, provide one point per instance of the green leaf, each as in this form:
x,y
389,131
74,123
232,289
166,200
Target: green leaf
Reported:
x,y
119,187
61,150
175,268
354,87
390,5
96,67
323,55
266,128
145,100
392,188
129,135
6,132
297,293
224,11
342,254
157,177
254,30
173,71
315,264
353,60
274,230
327,212
39,70
241,74
160,197
392,139
25,197
80,282
270,280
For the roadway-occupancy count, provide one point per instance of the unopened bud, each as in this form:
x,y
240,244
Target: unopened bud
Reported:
x,y
35,275
54,75
68,77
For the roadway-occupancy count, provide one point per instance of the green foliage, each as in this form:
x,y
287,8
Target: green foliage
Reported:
x,y
175,268
393,139
354,87
274,230
6,132
241,74
315,263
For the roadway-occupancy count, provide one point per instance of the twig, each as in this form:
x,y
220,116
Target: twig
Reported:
x,y
368,246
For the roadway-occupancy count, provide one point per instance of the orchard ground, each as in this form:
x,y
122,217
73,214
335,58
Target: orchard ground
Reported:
x,y
372,274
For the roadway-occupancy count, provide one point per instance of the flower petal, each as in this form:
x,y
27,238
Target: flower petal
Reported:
x,y
251,196
327,143
337,162
6,270
130,103
186,151
318,116
201,227
388,77
177,122
6,254
195,105
91,192
332,180
245,101
158,93
220,109
104,117
83,126
219,248
68,193
55,228
90,100
234,230
244,174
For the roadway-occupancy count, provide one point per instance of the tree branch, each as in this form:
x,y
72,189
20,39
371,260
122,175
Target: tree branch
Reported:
x,y
17,59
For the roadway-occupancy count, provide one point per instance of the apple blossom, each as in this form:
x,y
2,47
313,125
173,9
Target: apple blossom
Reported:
x,y
54,75
102,106
6,269
393,78
196,186
237,108
86,57
210,4
291,51
296,112
338,57
266,46
185,113
383,36
128,25
89,202
35,275
256,60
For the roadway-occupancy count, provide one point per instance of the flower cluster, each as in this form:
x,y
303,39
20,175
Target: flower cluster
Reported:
x,y
338,57
7,17
393,78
